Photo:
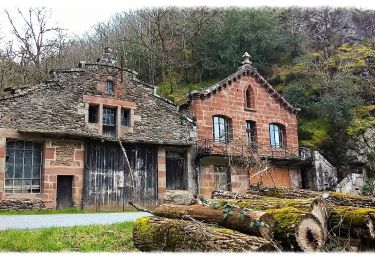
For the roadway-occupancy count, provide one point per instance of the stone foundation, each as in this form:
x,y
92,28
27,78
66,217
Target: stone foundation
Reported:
x,y
22,204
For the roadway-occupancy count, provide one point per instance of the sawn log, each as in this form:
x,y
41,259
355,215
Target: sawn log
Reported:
x,y
245,220
173,235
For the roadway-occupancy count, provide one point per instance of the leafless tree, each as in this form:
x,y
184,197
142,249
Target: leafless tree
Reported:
x,y
36,37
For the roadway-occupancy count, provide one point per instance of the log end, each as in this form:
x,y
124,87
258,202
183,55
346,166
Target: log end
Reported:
x,y
310,234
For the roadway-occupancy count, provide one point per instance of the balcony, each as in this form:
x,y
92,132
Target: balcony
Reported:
x,y
282,156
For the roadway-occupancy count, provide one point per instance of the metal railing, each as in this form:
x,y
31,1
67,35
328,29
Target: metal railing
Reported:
x,y
209,147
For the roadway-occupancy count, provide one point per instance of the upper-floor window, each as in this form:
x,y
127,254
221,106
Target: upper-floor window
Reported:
x,y
109,121
125,117
93,113
251,132
249,97
221,129
109,87
277,135
23,166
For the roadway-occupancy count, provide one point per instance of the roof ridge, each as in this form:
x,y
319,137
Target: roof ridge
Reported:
x,y
249,71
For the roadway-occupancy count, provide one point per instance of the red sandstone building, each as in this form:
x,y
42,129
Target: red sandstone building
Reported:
x,y
63,143
243,123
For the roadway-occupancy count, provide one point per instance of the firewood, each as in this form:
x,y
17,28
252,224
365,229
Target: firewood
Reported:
x,y
245,220
173,235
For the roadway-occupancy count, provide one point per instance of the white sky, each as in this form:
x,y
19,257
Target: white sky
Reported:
x,y
79,15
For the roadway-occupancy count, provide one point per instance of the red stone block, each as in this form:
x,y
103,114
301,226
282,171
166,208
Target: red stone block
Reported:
x,y
79,155
49,153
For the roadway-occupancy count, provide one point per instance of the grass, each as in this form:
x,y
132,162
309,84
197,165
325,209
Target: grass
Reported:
x,y
93,238
64,211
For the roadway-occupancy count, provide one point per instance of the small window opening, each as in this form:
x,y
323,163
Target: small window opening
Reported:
x,y
93,113
109,87
125,117
249,98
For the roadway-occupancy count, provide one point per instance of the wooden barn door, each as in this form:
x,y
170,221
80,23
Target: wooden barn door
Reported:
x,y
175,171
108,182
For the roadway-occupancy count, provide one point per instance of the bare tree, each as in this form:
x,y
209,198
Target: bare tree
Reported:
x,y
36,37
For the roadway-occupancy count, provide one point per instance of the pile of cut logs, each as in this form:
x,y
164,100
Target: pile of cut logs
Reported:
x,y
265,219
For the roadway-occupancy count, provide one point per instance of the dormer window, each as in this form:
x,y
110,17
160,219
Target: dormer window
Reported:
x,y
109,87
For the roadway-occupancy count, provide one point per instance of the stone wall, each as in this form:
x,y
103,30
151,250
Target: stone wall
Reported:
x,y
63,157
22,204
321,175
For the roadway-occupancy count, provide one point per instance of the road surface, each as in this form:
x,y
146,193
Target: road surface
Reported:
x,y
65,220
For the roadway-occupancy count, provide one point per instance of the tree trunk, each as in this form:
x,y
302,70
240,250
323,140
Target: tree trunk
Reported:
x,y
337,198
247,221
352,222
310,234
172,235
265,203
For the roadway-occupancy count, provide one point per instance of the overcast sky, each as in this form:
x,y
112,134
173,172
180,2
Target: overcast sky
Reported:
x,y
79,15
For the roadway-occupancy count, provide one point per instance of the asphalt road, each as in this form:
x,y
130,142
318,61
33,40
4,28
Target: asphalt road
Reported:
x,y
65,220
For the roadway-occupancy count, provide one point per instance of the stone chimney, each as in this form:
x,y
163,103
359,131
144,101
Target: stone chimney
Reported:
x,y
246,59
107,57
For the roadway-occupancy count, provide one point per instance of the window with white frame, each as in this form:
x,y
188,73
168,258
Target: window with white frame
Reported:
x,y
221,129
277,135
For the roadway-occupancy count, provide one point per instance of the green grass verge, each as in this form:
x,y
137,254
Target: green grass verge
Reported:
x,y
64,211
93,238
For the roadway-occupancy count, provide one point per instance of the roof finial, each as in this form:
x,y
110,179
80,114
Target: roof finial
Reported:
x,y
107,57
246,59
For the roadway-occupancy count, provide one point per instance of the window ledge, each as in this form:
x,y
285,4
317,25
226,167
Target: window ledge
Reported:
x,y
250,109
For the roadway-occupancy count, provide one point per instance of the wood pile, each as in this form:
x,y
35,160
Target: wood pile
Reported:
x,y
268,219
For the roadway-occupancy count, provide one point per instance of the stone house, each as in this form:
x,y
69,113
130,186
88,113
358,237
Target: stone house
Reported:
x,y
60,141
241,121
97,137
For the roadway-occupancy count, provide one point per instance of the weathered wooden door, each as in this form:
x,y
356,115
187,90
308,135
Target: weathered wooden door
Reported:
x,y
108,182
64,198
175,171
